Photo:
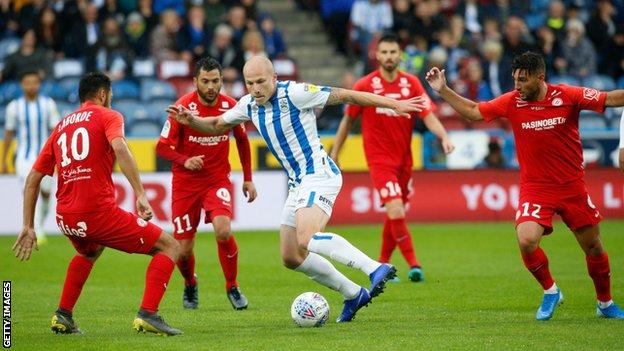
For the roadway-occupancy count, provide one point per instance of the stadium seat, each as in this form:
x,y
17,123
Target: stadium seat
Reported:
x,y
285,68
174,68
8,46
68,68
599,81
125,89
132,110
182,85
65,108
590,120
564,79
9,90
144,129
54,90
152,89
156,110
70,84
144,68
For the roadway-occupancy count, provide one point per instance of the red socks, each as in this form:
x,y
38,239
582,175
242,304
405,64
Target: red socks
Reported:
x,y
187,268
77,274
537,263
156,279
228,256
404,240
387,243
599,271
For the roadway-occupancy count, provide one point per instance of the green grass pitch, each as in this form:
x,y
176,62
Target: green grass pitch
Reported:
x,y
477,296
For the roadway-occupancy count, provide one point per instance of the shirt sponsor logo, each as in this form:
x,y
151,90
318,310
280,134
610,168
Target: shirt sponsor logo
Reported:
x,y
326,201
590,94
208,140
548,123
73,174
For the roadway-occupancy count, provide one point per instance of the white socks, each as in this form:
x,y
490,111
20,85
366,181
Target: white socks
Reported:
x,y
319,269
551,290
605,304
337,248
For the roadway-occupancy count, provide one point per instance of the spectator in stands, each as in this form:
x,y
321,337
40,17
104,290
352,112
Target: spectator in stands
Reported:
x,y
414,56
578,56
29,13
556,18
251,9
491,30
335,15
223,51
253,45
237,20
84,34
600,30
49,34
496,71
472,12
195,36
215,11
402,20
137,35
548,46
616,58
149,16
161,6
494,157
111,9
517,38
273,41
369,19
471,84
8,20
463,38
27,58
112,53
233,85
164,38
453,51
427,20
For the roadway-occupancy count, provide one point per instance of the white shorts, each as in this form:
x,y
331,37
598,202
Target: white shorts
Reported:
x,y
22,169
316,189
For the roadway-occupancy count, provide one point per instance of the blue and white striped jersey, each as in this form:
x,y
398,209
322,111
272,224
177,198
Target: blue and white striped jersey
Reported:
x,y
32,121
288,125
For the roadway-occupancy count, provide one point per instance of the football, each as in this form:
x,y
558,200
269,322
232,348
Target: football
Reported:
x,y
310,309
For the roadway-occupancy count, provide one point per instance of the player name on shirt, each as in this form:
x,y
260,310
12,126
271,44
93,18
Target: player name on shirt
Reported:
x,y
76,117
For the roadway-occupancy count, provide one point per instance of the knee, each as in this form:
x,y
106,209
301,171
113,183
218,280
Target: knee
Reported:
x,y
172,247
303,241
594,248
223,234
527,243
291,260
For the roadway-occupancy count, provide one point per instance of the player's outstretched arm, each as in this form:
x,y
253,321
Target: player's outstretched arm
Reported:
x,y
466,108
341,135
27,239
401,107
209,125
128,166
615,98
433,124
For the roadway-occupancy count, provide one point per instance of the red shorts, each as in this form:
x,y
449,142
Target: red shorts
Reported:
x,y
116,229
538,203
392,182
186,207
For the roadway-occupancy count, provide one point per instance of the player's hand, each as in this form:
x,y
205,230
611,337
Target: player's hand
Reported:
x,y
180,114
25,243
447,145
405,108
249,190
436,79
194,163
144,209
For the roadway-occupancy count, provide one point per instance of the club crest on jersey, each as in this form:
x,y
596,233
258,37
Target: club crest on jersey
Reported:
x,y
557,102
590,94
193,107
283,105
376,84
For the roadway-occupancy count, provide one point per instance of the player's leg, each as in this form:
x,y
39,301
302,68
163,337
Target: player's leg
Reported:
x,y
388,244
402,236
319,269
186,212
77,274
228,257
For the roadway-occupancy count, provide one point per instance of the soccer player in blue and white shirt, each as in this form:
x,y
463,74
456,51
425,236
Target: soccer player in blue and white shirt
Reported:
x,y
283,113
32,116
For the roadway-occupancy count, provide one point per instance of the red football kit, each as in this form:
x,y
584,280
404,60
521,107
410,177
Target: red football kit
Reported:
x,y
80,149
388,136
550,154
210,188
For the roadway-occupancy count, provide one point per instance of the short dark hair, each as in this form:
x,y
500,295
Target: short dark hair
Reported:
x,y
29,72
91,83
530,62
389,38
207,64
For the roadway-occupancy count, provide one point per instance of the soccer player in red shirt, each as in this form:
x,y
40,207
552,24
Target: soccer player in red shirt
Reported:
x,y
544,118
387,145
201,173
83,148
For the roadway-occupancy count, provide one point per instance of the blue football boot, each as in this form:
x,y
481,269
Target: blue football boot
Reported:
x,y
379,277
549,303
613,311
351,307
